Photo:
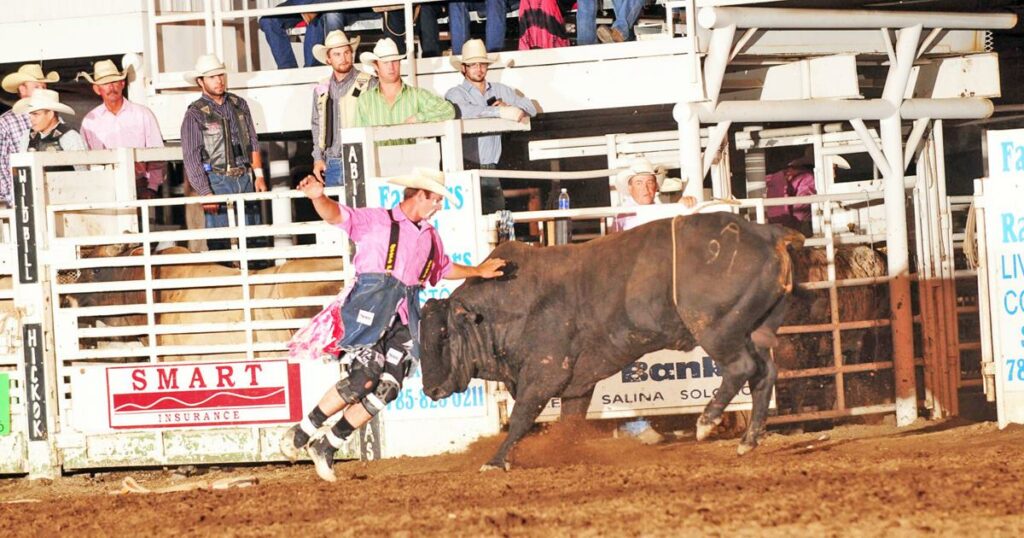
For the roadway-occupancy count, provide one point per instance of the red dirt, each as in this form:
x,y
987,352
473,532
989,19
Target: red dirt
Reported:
x,y
934,478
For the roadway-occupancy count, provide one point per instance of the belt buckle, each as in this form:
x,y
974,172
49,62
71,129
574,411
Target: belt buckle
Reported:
x,y
236,171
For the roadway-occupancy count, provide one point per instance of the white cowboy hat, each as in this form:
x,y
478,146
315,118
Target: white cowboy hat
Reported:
x,y
473,52
423,178
384,51
42,100
672,184
207,65
638,166
335,39
27,73
103,72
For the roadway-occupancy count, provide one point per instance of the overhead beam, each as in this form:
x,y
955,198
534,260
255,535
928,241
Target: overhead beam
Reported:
x,y
849,19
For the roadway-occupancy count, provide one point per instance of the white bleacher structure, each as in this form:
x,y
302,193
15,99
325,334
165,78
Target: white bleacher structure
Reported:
x,y
741,76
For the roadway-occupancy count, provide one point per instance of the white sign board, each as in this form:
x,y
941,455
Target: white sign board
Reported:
x,y
662,382
195,394
1004,244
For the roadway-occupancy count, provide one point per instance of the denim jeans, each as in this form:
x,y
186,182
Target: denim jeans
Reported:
x,y
626,14
334,174
275,28
458,22
232,185
586,22
426,27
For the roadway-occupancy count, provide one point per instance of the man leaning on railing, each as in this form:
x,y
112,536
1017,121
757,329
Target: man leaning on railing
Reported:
x,y
393,102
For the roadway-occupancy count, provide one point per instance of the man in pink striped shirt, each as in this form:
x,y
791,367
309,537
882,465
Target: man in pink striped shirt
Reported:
x,y
398,252
120,123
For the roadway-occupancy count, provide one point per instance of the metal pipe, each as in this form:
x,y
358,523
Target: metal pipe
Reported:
x,y
719,51
914,139
718,135
690,150
896,228
809,110
849,19
947,109
871,146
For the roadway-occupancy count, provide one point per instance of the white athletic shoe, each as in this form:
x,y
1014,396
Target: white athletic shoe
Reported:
x,y
287,443
322,454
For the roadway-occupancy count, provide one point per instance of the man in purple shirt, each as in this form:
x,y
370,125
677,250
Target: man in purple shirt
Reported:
x,y
796,179
219,147
13,126
120,123
397,253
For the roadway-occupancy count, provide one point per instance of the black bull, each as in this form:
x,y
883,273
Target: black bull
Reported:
x,y
570,316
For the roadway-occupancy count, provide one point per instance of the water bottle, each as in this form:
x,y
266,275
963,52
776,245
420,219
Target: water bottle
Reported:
x,y
563,200
562,226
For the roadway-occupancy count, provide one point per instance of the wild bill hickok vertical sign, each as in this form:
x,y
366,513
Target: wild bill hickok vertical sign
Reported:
x,y
25,226
35,381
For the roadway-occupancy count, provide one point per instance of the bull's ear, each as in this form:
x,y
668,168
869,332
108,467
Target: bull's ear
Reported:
x,y
466,315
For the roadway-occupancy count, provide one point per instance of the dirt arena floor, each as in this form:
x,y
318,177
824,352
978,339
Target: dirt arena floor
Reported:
x,y
946,478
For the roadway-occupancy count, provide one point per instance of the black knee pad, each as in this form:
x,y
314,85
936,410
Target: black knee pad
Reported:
x,y
386,392
361,380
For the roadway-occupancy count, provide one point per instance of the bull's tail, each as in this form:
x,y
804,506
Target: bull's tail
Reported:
x,y
764,335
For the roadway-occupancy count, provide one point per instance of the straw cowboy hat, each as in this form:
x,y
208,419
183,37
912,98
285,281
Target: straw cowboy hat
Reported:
x,y
28,73
423,178
207,65
42,100
639,166
103,72
335,39
473,52
384,51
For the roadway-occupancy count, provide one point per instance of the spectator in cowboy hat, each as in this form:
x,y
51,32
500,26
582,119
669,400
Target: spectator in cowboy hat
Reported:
x,y
14,126
48,131
219,148
796,179
334,104
639,184
120,123
393,102
477,98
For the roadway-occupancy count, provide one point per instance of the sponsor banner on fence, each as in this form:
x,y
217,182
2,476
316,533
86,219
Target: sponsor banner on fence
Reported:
x,y
1004,242
5,404
175,395
660,382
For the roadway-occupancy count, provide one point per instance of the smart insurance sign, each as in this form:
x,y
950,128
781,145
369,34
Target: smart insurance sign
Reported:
x,y
1003,203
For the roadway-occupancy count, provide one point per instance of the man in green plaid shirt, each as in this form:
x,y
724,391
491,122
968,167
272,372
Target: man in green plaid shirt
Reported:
x,y
392,102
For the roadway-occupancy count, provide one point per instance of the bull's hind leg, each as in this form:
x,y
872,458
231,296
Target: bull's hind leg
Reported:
x,y
761,384
737,367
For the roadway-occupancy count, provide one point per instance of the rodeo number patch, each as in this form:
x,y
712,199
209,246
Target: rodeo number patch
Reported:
x,y
5,404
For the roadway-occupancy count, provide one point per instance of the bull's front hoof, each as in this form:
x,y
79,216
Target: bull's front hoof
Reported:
x,y
489,467
704,429
743,449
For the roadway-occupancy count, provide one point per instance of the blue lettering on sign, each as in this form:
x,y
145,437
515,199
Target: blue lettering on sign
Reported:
x,y
1013,152
464,258
434,293
1014,370
1013,228
457,198
1013,270
389,197
1013,302
416,400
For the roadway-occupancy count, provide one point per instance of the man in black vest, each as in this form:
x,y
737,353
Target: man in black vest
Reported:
x,y
219,147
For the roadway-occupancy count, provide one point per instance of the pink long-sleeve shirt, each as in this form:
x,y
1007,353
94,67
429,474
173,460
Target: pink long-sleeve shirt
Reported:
x,y
370,228
134,126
